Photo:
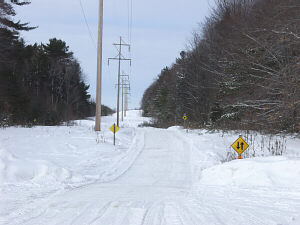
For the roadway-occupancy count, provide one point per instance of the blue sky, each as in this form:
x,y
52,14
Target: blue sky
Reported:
x,y
160,30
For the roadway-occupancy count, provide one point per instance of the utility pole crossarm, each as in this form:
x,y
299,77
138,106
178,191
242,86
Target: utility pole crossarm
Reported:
x,y
125,85
122,44
119,59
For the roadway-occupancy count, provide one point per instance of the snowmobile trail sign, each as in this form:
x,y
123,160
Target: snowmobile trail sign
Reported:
x,y
114,128
240,145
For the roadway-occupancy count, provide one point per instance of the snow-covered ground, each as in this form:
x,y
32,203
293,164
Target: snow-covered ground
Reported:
x,y
72,175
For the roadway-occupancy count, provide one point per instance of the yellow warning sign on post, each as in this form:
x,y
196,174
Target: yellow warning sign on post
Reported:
x,y
114,128
240,145
184,117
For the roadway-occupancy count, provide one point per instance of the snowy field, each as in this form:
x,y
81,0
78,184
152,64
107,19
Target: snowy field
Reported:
x,y
72,175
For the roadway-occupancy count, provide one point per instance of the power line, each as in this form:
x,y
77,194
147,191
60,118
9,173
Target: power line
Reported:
x,y
129,19
86,23
131,13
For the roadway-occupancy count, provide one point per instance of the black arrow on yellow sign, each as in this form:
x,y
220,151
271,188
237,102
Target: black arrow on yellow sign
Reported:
x,y
240,147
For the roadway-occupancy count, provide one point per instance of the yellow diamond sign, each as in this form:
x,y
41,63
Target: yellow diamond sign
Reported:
x,y
114,128
240,145
184,117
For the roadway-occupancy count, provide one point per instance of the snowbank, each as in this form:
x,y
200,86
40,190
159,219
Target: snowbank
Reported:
x,y
268,171
13,169
74,175
175,128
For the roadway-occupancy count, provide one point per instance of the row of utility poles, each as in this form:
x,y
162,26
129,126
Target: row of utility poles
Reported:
x,y
123,83
123,79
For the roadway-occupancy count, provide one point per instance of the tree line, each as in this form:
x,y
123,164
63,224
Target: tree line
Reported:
x,y
241,71
39,83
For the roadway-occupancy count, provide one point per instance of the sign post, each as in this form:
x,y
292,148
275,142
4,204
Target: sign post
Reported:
x,y
240,145
114,128
184,119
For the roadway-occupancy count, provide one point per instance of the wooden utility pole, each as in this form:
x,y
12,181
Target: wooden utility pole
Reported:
x,y
122,100
119,58
125,103
124,84
99,68
127,89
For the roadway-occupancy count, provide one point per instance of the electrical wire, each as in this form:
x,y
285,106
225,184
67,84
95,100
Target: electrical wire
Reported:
x,y
86,23
130,7
131,13
130,42
128,20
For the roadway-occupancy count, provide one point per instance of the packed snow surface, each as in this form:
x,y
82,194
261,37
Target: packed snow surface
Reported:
x,y
72,175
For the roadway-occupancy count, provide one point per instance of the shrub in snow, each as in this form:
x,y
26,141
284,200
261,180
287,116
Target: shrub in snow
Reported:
x,y
260,145
4,120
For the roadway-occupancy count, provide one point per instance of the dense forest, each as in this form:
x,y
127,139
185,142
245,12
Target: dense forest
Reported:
x,y
240,71
40,83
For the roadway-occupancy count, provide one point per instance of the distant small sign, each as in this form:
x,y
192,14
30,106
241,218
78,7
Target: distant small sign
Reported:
x,y
184,117
114,128
240,145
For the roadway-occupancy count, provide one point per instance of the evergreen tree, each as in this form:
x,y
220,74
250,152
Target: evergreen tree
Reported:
x,y
39,84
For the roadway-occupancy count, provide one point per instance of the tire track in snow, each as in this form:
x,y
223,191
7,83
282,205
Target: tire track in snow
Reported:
x,y
119,214
153,215
101,212
171,215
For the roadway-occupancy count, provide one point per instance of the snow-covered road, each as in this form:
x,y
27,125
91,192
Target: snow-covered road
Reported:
x,y
160,183
161,173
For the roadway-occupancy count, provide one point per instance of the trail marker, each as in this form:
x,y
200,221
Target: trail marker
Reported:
x,y
184,119
240,145
114,128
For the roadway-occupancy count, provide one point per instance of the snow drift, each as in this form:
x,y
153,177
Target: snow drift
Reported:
x,y
13,169
276,171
